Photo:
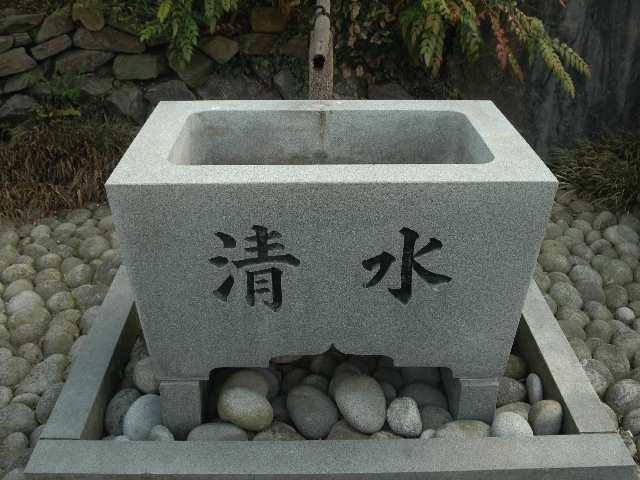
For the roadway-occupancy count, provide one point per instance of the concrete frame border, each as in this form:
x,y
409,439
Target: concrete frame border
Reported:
x,y
69,447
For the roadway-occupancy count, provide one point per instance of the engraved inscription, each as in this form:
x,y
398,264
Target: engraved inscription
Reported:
x,y
408,266
256,281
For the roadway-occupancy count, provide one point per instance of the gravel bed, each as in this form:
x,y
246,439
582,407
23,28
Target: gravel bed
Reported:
x,y
55,273
330,396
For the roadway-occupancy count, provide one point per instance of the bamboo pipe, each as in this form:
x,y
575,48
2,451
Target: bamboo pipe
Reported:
x,y
321,54
321,34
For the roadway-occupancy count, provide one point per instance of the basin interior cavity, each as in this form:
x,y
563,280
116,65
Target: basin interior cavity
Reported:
x,y
320,137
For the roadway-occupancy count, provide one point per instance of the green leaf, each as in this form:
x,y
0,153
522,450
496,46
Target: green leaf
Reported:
x,y
164,9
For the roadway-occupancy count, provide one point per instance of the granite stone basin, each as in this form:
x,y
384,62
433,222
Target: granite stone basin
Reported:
x,y
383,227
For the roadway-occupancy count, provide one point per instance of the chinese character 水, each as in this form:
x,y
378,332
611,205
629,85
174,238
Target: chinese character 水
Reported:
x,y
409,264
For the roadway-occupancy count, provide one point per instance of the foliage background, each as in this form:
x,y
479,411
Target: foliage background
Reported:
x,y
430,29
370,46
367,32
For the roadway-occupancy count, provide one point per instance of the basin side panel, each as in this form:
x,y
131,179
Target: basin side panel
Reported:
x,y
173,241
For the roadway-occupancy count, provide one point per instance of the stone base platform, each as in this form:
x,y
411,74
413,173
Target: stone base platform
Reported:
x,y
69,448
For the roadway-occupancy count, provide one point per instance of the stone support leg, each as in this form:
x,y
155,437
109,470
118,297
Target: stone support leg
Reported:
x,y
183,406
470,398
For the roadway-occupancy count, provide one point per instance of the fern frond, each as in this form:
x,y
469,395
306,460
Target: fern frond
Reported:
x,y
209,13
209,8
513,62
442,8
412,26
164,9
410,16
454,11
571,57
502,6
432,45
191,30
151,30
424,23
187,52
176,25
470,37
553,62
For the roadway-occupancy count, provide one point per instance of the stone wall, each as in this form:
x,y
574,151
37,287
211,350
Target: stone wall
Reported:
x,y
607,36
135,76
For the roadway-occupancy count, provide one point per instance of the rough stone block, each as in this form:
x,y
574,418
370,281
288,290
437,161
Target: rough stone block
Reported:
x,y
82,61
380,227
15,61
89,14
221,49
6,42
285,84
389,91
267,19
139,67
297,47
128,101
56,24
21,39
92,85
51,47
107,39
22,81
169,91
194,73
229,87
20,23
257,43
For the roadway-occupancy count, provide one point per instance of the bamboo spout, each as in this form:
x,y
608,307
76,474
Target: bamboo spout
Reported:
x,y
321,54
